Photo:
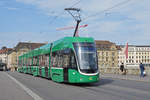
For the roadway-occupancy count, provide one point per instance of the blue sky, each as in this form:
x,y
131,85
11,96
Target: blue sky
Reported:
x,y
35,21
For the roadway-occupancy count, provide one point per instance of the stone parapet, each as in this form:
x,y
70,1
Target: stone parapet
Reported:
x,y
130,71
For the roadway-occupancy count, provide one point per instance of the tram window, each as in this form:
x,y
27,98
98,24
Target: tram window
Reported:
x,y
67,58
23,61
60,60
73,61
66,61
41,60
64,58
26,62
44,60
54,59
47,60
35,61
30,61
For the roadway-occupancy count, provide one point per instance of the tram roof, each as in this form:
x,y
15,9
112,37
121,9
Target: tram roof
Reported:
x,y
65,42
73,39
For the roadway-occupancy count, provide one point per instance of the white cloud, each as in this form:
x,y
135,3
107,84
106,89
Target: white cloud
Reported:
x,y
27,1
10,39
11,8
91,6
47,5
135,15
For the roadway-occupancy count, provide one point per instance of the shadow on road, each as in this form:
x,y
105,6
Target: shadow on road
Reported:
x,y
99,83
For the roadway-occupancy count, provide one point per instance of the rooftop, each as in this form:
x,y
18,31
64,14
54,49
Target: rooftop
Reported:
x,y
4,51
28,45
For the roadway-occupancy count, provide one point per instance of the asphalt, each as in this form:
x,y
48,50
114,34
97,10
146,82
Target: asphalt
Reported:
x,y
105,89
127,77
42,89
9,90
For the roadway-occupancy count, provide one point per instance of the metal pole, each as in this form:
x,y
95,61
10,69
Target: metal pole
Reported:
x,y
76,29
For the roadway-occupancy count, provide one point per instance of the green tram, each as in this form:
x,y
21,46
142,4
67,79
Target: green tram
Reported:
x,y
71,59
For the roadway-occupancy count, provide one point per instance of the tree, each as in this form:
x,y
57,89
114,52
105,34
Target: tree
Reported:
x,y
4,47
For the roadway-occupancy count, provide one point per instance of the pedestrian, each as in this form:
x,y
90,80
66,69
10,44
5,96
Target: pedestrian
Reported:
x,y
122,68
142,70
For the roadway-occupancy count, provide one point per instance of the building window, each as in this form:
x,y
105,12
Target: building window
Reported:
x,y
106,53
113,54
113,59
106,58
113,64
102,53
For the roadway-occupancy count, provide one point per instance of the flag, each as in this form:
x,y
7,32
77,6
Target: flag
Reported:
x,y
126,51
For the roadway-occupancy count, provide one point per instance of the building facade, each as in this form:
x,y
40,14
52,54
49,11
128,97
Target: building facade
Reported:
x,y
12,60
136,54
21,48
4,56
107,55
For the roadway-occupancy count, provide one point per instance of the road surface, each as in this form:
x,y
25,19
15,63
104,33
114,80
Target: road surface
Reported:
x,y
105,89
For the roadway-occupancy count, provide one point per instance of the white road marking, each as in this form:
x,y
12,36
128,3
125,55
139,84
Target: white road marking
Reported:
x,y
29,91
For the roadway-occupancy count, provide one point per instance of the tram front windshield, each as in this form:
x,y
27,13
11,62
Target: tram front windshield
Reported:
x,y
87,58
